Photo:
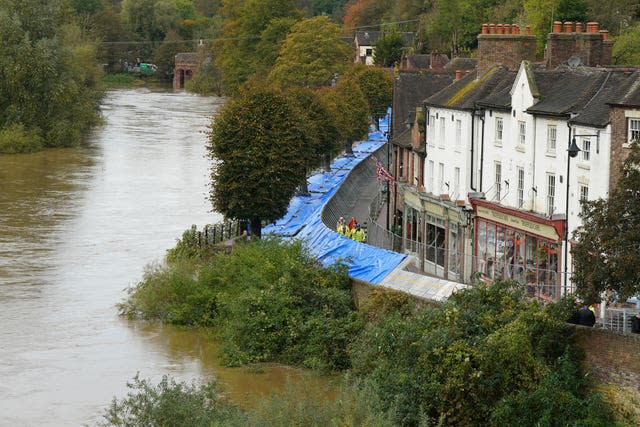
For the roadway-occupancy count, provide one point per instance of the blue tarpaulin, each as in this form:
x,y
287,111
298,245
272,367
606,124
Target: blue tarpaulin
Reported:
x,y
303,220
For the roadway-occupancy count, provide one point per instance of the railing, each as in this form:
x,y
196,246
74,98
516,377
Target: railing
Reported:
x,y
617,319
212,234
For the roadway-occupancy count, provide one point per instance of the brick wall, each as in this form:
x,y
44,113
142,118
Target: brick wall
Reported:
x,y
618,139
611,356
508,50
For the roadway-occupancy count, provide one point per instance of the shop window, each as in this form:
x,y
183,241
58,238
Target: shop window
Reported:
x,y
454,257
434,250
498,180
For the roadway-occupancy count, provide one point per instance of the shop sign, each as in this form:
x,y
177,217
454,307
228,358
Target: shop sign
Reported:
x,y
412,200
433,208
543,230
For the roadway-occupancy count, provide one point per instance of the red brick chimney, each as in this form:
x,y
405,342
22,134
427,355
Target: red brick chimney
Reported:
x,y
592,47
505,46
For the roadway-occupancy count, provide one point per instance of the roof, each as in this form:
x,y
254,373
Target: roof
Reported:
x,y
186,57
410,90
462,64
464,93
369,38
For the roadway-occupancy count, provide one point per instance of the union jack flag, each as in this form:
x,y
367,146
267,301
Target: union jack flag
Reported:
x,y
382,173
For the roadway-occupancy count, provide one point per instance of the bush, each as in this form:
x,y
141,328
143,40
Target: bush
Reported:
x,y
485,354
172,404
16,139
270,300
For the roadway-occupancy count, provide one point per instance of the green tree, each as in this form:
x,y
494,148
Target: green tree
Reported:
x,y
626,49
608,249
255,143
49,74
388,49
270,43
244,23
350,111
311,55
377,87
324,138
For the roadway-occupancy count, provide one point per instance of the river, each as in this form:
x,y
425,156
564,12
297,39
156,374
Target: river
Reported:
x,y
77,227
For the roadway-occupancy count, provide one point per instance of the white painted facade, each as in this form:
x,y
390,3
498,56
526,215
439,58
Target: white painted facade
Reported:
x,y
448,161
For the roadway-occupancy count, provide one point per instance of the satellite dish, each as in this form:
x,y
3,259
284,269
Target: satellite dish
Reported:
x,y
574,61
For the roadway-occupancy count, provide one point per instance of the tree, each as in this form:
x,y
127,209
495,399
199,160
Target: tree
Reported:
x,y
626,49
324,138
311,55
377,87
48,71
255,143
350,111
607,254
388,49
244,23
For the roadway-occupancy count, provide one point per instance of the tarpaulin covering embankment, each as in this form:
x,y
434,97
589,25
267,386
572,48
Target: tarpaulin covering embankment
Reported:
x,y
303,219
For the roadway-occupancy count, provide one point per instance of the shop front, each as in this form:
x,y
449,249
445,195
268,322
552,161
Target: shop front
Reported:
x,y
433,233
515,245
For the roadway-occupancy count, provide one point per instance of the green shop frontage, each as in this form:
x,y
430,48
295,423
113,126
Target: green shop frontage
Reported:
x,y
510,244
437,233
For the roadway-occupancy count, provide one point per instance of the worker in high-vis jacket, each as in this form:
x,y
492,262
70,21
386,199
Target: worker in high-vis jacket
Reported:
x,y
358,234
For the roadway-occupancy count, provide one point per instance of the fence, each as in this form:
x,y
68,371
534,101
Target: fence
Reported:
x,y
212,234
618,319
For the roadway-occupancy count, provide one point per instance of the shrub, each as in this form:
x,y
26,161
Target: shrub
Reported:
x,y
16,139
485,354
172,404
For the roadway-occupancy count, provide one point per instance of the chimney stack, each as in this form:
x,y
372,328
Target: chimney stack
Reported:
x,y
504,46
593,47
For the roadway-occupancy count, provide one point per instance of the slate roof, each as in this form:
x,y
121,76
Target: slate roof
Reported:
x,y
464,93
368,38
410,90
186,57
423,61
628,95
462,64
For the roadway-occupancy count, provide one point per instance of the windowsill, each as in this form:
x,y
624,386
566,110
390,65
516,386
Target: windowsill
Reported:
x,y
497,143
584,165
550,154
520,148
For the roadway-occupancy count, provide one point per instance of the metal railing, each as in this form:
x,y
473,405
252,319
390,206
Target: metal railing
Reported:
x,y
617,319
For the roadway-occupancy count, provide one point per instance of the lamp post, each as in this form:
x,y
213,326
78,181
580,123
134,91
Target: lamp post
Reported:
x,y
572,152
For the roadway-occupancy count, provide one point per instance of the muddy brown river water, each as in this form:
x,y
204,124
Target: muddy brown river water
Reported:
x,y
77,226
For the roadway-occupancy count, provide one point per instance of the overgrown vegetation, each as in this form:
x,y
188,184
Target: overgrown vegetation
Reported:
x,y
269,301
487,356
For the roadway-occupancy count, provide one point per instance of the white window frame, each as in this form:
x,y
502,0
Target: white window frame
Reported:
x,y
552,135
633,129
432,131
442,133
431,177
586,150
499,130
520,190
498,179
522,132
441,176
458,135
584,192
551,193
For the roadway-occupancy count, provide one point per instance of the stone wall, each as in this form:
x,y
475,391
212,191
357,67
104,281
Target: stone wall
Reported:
x,y
611,357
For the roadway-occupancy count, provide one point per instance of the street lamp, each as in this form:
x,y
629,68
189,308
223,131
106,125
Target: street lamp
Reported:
x,y
572,152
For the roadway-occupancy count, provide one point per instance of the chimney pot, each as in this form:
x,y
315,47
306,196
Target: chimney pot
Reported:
x,y
492,28
515,29
605,34
578,27
527,30
568,27
557,27
499,29
485,28
507,28
592,27
458,74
